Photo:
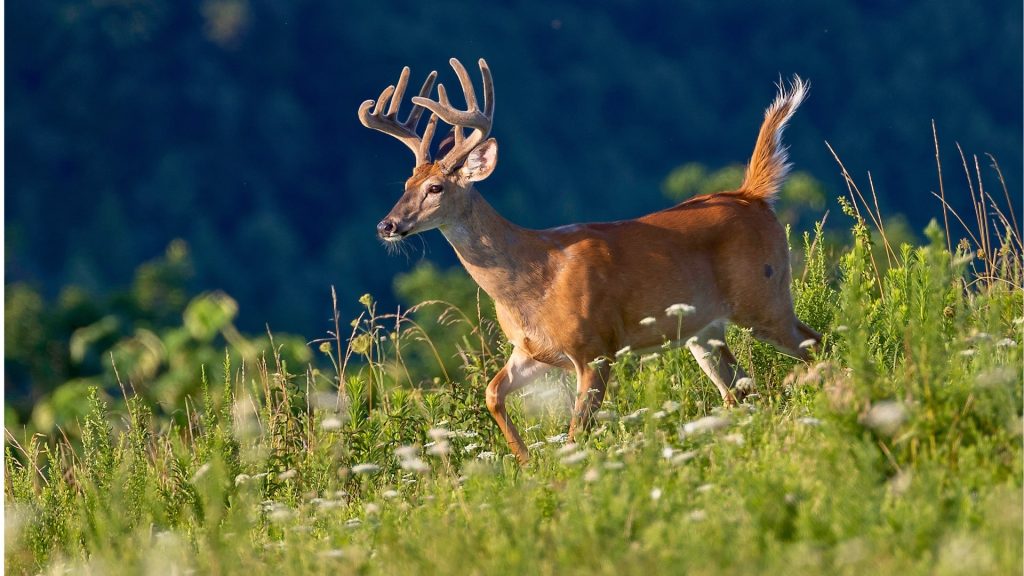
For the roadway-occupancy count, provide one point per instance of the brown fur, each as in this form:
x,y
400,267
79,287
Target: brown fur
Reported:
x,y
570,297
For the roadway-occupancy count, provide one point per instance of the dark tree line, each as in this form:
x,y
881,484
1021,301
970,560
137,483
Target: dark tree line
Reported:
x,y
231,124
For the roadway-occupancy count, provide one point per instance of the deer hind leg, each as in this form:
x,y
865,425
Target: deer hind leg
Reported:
x,y
591,382
714,357
519,371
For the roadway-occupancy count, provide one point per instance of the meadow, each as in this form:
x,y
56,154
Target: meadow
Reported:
x,y
898,450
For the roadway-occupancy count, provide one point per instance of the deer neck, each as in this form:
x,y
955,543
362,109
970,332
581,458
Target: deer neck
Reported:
x,y
506,260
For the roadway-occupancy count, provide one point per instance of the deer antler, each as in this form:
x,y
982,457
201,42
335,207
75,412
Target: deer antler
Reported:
x,y
479,121
388,122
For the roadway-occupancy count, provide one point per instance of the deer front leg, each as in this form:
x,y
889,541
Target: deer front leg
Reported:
x,y
519,371
591,381
714,357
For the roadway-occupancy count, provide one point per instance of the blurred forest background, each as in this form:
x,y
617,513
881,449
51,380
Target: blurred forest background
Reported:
x,y
180,174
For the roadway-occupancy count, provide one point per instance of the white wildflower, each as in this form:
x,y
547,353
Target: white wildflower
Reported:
x,y
667,452
649,357
487,455
287,475
389,494
574,458
680,310
366,468
1006,343
324,504
808,343
659,414
201,471
280,513
886,417
438,434
415,465
558,438
705,424
656,494
648,321
623,351
636,416
735,438
591,475
407,452
809,421
692,340
371,509
614,465
439,448
567,449
842,328
967,352
470,448
242,479
684,457
697,515
670,406
331,423
536,445
900,483
604,415
353,523
704,488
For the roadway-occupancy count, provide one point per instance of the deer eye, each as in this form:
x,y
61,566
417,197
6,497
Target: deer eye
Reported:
x,y
435,189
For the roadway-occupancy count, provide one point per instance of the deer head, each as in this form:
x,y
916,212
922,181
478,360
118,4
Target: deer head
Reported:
x,y
438,192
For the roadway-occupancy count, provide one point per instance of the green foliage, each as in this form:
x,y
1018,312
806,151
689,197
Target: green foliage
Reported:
x,y
898,450
450,313
155,333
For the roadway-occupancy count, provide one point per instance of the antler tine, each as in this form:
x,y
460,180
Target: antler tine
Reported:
x,y
473,118
467,84
485,71
372,114
396,100
417,111
383,100
428,136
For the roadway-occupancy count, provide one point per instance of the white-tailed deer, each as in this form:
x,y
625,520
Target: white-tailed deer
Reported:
x,y
570,297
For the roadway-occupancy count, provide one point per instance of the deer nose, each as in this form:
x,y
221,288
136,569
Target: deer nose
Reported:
x,y
386,228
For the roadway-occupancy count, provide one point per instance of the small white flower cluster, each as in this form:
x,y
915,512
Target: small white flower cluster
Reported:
x,y
704,425
570,454
680,310
636,416
439,445
886,417
409,459
367,468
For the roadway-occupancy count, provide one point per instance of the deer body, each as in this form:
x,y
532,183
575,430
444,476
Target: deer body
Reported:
x,y
570,297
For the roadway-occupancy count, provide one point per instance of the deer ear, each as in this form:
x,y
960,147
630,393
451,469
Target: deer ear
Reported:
x,y
481,161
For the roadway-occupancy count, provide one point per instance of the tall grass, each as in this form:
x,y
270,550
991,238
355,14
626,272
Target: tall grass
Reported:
x,y
897,451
